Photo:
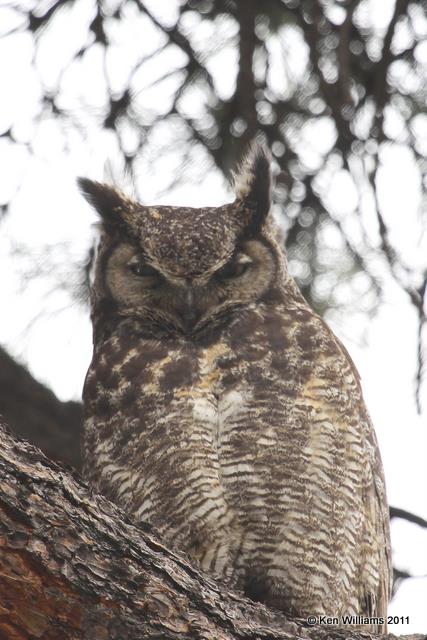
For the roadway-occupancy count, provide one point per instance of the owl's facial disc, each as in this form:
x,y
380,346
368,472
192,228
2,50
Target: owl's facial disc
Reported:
x,y
143,287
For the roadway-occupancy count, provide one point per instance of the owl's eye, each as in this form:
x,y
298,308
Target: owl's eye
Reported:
x,y
143,270
235,268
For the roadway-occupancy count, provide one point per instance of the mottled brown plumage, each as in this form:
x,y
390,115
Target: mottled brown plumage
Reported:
x,y
220,409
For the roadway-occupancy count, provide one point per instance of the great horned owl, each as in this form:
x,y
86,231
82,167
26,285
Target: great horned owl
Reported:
x,y
224,412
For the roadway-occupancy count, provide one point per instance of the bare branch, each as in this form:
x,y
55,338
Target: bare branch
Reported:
x,y
72,566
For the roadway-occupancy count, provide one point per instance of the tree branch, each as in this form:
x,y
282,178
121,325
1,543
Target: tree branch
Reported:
x,y
35,413
72,566
406,515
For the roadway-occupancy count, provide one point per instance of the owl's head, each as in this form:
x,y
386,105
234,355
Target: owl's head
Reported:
x,y
180,268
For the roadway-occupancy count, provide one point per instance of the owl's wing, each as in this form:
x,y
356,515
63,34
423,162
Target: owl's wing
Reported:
x,y
378,602
377,580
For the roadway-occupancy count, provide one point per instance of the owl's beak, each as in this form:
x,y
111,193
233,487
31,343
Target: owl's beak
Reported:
x,y
188,311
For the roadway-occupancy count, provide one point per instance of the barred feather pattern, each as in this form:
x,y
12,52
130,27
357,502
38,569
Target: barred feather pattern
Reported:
x,y
242,438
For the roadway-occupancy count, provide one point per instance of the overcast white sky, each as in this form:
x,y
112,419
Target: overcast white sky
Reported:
x,y
52,333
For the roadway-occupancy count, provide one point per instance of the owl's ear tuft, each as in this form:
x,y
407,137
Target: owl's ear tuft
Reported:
x,y
252,182
105,199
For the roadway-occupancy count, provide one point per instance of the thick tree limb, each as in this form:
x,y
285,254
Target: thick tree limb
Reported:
x,y
35,413
73,567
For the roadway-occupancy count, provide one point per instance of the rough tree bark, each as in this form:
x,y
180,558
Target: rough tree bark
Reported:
x,y
72,566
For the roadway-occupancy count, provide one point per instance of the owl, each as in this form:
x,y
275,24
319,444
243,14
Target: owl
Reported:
x,y
220,409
